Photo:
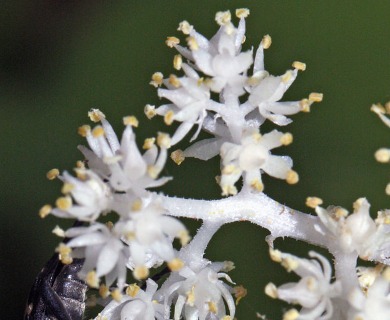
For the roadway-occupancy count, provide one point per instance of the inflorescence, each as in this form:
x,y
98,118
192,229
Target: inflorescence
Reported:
x,y
226,92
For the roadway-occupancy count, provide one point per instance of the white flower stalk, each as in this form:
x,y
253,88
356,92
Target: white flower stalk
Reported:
x,y
314,292
137,304
375,304
250,158
122,163
86,197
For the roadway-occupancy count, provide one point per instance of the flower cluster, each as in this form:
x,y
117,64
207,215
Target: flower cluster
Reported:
x,y
248,95
227,93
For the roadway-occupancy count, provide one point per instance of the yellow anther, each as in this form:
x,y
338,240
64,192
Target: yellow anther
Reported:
x,y
257,185
66,259
148,143
130,121
174,80
271,290
313,202
382,155
132,290
228,266
140,272
169,117
378,108
67,188
185,27
184,237
386,274
130,236
242,13
136,205
200,81
84,130
291,314
63,249
81,174
191,297
64,203
192,43
223,17
92,280
152,171
387,190
212,307
256,137
95,115
287,76
316,97
357,204
239,293
45,211
59,232
292,177
52,174
226,318
178,156
299,65
383,217
150,111
80,164
172,41
286,139
175,264
305,105
229,190
98,132
104,291
266,41
177,61
290,264
339,213
387,107
163,140
157,79
275,255
116,295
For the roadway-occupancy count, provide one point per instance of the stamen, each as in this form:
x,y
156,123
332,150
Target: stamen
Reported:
x,y
92,280
316,97
192,43
174,80
172,41
185,27
95,115
184,237
291,314
104,291
141,272
257,185
299,65
382,155
52,174
378,108
267,41
132,290
292,177
212,307
116,295
150,111
163,140
130,121
148,143
59,232
64,203
84,130
136,205
271,290
286,139
169,117
177,61
157,79
239,293
98,132
305,105
178,156
287,76
223,17
313,202
242,13
45,211
67,188
175,264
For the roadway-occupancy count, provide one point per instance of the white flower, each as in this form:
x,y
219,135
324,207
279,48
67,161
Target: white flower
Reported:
x,y
103,250
199,293
122,163
138,304
376,303
149,234
90,194
352,231
313,292
250,158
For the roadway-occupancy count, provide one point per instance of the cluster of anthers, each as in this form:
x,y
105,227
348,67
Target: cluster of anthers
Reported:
x,y
227,93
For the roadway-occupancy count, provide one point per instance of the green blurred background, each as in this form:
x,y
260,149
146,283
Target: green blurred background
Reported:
x,y
60,58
